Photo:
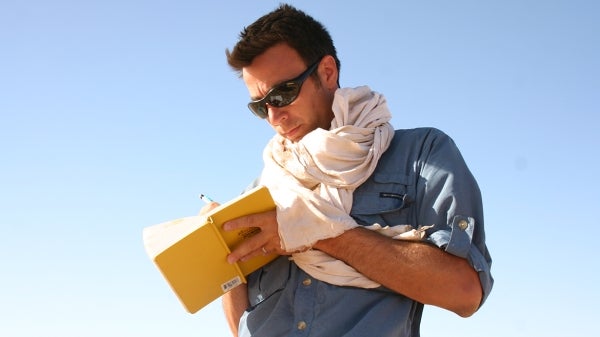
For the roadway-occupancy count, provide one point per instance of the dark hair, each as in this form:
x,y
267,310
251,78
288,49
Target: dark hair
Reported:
x,y
285,24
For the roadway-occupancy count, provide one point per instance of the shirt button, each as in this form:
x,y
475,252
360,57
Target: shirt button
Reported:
x,y
307,282
463,224
301,325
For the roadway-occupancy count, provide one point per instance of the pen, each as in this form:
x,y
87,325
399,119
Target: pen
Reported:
x,y
205,198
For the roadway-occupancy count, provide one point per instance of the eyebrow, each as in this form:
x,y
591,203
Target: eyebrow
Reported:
x,y
312,66
254,98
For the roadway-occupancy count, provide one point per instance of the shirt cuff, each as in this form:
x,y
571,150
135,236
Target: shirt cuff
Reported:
x,y
456,241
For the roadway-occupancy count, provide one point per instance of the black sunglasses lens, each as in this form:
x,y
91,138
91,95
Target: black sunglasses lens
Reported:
x,y
283,94
259,109
280,96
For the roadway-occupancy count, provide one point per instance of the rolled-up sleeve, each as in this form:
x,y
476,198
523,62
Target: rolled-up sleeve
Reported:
x,y
450,200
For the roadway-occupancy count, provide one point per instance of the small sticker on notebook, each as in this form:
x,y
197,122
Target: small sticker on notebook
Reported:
x,y
234,282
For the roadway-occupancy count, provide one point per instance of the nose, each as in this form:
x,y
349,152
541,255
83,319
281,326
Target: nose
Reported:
x,y
276,115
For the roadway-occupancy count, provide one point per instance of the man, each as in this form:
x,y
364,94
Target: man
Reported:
x,y
371,223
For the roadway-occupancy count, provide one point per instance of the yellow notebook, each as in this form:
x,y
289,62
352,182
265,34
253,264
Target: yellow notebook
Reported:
x,y
191,252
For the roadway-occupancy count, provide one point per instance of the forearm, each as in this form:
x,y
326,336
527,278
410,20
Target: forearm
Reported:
x,y
417,270
235,303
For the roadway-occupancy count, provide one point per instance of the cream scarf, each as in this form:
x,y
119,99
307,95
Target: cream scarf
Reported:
x,y
312,181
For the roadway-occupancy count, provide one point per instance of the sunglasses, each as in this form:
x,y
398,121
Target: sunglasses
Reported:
x,y
282,94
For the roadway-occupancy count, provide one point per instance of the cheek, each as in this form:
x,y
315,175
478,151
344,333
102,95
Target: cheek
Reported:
x,y
322,113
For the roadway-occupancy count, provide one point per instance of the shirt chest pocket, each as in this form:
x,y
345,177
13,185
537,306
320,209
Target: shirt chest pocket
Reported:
x,y
269,280
386,199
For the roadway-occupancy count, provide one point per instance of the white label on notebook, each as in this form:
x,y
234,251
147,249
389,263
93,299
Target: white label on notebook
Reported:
x,y
234,282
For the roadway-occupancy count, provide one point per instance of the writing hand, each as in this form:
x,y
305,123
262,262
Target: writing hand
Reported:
x,y
208,207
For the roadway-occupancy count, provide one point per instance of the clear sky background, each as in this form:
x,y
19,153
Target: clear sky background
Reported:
x,y
115,115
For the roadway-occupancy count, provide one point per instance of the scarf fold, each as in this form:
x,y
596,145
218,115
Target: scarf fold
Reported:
x,y
312,181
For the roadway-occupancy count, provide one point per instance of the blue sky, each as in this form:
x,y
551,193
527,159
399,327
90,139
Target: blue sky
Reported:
x,y
115,115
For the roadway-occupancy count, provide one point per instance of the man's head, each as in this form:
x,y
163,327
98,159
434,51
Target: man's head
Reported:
x,y
280,47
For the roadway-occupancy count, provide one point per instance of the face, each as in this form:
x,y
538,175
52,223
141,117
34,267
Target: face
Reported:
x,y
312,107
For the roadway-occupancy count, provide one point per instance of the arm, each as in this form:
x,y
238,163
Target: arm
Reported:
x,y
235,303
450,270
417,270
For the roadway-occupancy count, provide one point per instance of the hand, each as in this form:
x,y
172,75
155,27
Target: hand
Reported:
x,y
208,207
266,241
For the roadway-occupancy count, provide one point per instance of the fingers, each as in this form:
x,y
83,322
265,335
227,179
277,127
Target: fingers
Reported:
x,y
208,207
249,248
258,252
265,242
260,220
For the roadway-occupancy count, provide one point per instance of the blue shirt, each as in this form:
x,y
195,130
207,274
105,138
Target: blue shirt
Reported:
x,y
421,179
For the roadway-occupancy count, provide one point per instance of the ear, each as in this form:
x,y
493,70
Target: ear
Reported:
x,y
328,72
